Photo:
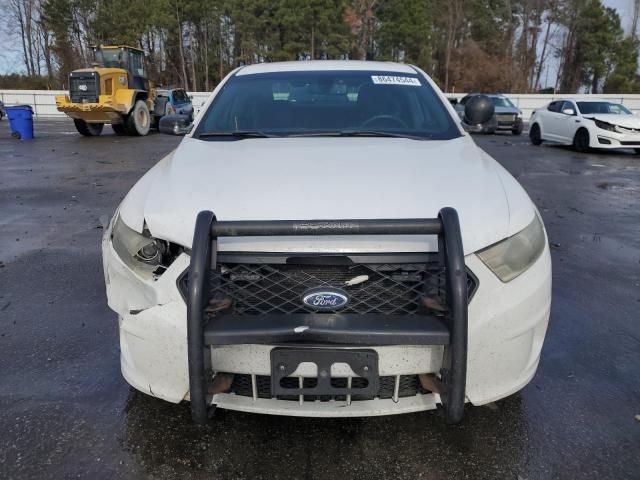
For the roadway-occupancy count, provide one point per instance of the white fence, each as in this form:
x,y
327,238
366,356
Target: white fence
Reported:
x,y
44,105
528,102
44,102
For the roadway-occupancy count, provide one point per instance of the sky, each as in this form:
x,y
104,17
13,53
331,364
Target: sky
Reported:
x,y
11,62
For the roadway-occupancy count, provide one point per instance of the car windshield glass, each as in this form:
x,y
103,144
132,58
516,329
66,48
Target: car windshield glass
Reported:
x,y
602,107
110,57
180,96
501,102
335,103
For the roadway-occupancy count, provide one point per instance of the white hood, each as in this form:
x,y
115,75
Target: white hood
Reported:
x,y
627,121
328,178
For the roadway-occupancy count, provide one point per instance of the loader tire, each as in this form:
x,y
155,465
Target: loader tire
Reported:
x,y
138,122
88,129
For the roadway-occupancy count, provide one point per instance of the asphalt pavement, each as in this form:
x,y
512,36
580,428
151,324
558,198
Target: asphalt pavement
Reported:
x,y
66,412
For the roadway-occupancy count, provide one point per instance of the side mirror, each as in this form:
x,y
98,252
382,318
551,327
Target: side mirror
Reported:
x,y
478,110
174,125
569,111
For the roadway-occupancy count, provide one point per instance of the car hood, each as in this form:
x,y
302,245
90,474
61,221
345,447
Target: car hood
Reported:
x,y
328,178
627,121
513,110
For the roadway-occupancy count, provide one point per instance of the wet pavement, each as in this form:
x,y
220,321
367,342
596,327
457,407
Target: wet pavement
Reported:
x,y
66,412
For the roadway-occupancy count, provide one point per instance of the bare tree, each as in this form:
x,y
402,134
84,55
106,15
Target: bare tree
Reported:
x,y
634,19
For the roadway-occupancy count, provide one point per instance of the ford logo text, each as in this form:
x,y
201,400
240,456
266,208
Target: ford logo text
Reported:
x,y
325,298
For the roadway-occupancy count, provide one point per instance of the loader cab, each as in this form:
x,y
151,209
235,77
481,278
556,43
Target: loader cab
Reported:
x,y
127,58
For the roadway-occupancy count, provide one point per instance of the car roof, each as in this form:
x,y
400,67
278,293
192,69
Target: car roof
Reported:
x,y
167,90
325,65
590,100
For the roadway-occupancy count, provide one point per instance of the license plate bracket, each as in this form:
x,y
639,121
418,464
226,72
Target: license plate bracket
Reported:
x,y
286,360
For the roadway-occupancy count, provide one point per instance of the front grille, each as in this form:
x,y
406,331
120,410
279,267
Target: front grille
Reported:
x,y
409,386
391,289
84,87
505,118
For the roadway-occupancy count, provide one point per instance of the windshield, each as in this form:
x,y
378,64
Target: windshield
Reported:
x,y
109,57
602,107
180,96
502,102
316,103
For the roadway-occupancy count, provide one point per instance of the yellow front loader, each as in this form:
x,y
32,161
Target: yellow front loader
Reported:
x,y
115,90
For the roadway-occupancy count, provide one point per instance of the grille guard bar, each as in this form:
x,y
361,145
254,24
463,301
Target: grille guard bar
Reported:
x,y
446,227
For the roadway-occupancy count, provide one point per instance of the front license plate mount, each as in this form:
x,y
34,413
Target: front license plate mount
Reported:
x,y
285,361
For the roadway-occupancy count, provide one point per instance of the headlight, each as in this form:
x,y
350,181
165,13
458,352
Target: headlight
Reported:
x,y
605,126
138,251
514,255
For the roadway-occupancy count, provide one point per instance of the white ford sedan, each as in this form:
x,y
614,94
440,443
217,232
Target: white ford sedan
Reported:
x,y
586,124
328,241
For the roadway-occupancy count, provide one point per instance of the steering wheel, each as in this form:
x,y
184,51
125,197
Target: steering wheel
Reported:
x,y
393,118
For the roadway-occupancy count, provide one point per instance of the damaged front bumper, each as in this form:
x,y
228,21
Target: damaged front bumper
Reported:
x,y
506,329
615,140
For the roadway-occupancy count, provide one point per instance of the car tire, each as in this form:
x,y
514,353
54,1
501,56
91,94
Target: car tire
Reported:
x,y
138,122
581,140
637,150
119,128
88,129
517,130
534,134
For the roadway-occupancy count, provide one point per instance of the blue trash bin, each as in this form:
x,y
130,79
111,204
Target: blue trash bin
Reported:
x,y
20,121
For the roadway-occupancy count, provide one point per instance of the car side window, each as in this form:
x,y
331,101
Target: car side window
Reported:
x,y
554,106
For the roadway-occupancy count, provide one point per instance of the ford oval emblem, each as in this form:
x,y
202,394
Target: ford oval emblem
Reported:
x,y
325,298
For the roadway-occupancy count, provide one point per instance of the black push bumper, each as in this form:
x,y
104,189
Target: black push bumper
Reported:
x,y
329,329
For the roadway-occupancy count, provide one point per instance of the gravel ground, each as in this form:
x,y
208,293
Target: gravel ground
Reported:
x,y
66,412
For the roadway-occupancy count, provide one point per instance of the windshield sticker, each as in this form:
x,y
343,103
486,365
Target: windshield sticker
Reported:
x,y
392,80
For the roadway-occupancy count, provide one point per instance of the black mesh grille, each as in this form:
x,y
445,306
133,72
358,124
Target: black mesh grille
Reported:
x,y
409,386
391,289
84,87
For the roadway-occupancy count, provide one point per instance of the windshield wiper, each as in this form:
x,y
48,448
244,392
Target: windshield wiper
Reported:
x,y
239,134
358,133
376,133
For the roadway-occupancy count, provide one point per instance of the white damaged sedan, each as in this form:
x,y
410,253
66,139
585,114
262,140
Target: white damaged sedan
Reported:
x,y
586,124
327,241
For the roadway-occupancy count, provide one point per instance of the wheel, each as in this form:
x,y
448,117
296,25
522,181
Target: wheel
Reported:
x,y
139,121
581,140
637,150
534,134
88,129
517,130
119,128
16,135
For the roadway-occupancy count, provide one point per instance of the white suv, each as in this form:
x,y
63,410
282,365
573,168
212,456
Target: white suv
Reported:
x,y
327,241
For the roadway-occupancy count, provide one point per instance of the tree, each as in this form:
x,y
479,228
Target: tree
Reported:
x,y
624,77
464,44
